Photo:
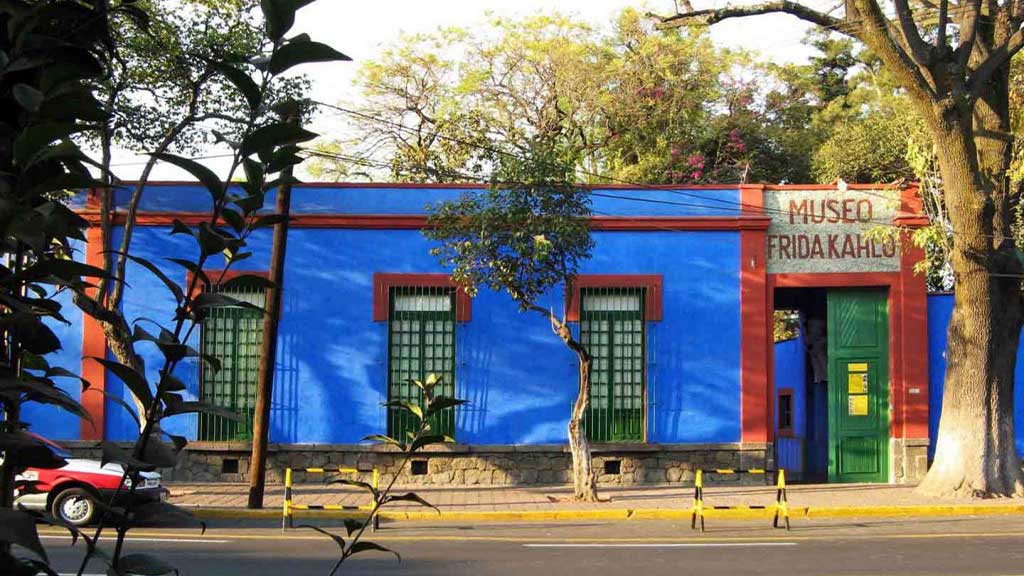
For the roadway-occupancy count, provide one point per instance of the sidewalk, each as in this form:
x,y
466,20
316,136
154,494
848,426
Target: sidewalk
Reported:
x,y
549,502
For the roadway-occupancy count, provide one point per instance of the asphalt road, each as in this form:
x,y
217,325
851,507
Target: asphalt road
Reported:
x,y
976,547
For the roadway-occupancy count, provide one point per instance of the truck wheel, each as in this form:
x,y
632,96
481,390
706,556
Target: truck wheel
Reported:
x,y
76,506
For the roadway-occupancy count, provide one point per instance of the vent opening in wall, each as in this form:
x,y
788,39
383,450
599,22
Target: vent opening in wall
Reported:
x,y
612,466
229,466
419,467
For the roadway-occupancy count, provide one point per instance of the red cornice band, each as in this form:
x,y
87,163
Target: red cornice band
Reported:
x,y
419,221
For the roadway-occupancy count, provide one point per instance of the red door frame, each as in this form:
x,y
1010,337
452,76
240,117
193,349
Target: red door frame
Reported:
x,y
908,323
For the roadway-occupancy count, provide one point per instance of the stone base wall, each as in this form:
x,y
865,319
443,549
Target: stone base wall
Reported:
x,y
909,460
460,465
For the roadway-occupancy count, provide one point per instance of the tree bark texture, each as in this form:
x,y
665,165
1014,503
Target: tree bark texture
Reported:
x,y
119,339
976,454
962,93
268,348
584,480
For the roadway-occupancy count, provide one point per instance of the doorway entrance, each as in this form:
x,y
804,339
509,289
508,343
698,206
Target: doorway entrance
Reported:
x,y
832,384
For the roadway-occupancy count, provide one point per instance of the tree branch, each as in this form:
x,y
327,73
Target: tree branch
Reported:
x,y
943,23
968,33
877,34
919,49
998,58
713,16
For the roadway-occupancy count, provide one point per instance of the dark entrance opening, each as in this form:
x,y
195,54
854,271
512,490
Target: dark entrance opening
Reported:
x,y
801,382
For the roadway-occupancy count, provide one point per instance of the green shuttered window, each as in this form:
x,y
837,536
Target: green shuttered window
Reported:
x,y
234,335
421,334
612,329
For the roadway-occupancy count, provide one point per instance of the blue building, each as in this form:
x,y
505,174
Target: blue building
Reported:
x,y
677,304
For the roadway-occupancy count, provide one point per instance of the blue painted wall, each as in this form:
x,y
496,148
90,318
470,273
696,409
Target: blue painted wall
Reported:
x,y
519,378
940,310
791,372
414,200
45,419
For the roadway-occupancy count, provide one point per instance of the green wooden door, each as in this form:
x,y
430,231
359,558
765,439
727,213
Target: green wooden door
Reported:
x,y
858,382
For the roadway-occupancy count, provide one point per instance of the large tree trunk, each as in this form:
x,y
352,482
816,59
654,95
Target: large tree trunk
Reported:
x,y
584,480
975,452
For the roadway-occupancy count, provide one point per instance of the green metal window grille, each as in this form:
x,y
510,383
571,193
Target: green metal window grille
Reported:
x,y
233,335
612,329
421,341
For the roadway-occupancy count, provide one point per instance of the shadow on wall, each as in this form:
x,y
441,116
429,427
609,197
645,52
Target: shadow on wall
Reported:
x,y
940,310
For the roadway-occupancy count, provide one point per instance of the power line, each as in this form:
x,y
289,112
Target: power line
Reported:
x,y
477,178
731,205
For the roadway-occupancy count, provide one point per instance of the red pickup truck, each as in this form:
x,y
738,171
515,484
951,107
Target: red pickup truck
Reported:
x,y
71,493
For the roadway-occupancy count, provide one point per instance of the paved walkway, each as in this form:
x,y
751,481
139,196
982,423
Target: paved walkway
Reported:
x,y
546,498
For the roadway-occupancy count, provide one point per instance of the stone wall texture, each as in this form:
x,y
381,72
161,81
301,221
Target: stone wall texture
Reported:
x,y
617,465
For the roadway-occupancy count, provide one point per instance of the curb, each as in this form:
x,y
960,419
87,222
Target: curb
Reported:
x,y
732,513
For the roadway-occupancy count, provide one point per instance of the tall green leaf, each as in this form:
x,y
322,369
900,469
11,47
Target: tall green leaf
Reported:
x,y
202,173
295,53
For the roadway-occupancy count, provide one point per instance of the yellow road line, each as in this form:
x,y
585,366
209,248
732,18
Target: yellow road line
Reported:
x,y
221,535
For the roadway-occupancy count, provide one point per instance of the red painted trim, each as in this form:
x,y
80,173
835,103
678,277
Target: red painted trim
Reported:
x,y
913,338
911,213
456,185
383,283
834,187
756,399
94,344
652,283
835,280
752,198
419,221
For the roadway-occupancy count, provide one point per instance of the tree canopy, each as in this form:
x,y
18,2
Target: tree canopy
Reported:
x,y
627,103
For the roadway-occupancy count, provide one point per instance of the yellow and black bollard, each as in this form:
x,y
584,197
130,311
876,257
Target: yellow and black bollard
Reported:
x,y
290,507
781,501
698,501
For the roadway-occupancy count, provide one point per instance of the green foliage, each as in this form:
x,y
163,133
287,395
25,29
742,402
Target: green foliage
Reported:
x,y
423,415
187,66
48,62
632,104
69,52
525,235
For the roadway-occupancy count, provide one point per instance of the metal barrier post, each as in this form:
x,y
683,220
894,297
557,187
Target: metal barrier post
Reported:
x,y
289,507
698,500
781,501
286,519
376,486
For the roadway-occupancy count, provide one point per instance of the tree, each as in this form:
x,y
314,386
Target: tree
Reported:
x,y
953,62
525,236
53,55
48,62
165,92
633,104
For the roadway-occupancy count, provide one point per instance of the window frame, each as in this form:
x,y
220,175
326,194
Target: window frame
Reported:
x,y
609,431
790,430
198,286
447,425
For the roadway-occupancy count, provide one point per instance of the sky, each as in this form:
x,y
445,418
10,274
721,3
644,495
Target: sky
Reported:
x,y
361,29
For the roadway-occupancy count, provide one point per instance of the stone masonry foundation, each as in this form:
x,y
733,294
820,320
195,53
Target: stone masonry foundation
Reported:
x,y
462,465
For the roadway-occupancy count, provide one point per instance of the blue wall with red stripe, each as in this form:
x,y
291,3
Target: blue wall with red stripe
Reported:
x,y
519,377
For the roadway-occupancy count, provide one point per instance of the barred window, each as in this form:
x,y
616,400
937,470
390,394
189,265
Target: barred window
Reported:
x,y
234,336
612,330
421,334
